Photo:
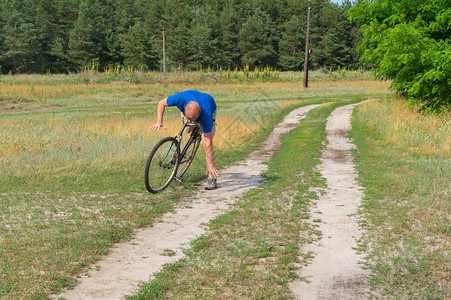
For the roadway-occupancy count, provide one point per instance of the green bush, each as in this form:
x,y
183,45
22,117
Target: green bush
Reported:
x,y
408,42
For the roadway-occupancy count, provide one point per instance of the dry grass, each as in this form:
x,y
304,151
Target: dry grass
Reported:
x,y
232,131
404,161
32,92
155,91
69,141
423,134
369,85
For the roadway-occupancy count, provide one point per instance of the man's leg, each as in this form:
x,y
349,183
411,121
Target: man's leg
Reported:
x,y
212,182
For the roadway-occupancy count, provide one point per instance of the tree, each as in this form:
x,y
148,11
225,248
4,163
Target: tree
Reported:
x,y
57,17
138,50
331,51
2,47
85,38
110,17
94,37
177,18
230,24
258,41
408,42
351,35
330,35
22,37
205,39
292,45
38,36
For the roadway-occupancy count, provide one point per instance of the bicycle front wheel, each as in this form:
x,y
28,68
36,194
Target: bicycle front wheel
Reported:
x,y
161,165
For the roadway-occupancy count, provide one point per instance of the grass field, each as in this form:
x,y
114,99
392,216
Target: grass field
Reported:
x,y
405,166
73,149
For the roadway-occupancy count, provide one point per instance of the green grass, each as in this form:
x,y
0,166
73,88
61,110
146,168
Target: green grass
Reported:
x,y
72,158
57,221
253,250
406,207
82,91
185,77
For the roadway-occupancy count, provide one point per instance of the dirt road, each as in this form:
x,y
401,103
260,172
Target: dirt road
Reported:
x,y
131,263
335,272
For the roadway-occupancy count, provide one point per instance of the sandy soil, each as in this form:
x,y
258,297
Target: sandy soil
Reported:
x,y
132,263
335,272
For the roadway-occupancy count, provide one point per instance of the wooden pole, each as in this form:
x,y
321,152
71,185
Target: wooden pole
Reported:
x,y
164,54
307,38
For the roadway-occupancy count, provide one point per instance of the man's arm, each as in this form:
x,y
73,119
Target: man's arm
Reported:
x,y
160,111
210,155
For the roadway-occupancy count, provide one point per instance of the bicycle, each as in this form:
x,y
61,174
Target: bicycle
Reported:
x,y
168,160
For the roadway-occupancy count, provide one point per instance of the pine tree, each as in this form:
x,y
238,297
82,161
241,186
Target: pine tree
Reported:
x,y
292,45
111,50
23,37
276,10
230,25
138,50
177,18
2,39
84,42
93,38
65,35
57,17
352,37
331,52
204,40
329,31
258,41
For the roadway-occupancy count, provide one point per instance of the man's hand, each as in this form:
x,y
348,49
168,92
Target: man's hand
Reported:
x,y
212,172
156,127
160,111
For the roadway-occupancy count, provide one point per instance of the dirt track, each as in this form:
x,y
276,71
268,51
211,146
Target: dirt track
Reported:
x,y
335,272
131,263
334,269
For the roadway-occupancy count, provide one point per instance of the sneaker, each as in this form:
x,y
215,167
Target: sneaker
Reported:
x,y
212,184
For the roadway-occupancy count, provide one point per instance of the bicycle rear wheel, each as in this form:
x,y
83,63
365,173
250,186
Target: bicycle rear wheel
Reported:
x,y
161,165
187,155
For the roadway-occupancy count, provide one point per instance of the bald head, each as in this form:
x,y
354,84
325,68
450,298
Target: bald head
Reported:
x,y
192,110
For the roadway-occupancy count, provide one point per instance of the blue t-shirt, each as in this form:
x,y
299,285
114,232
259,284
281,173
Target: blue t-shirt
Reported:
x,y
206,102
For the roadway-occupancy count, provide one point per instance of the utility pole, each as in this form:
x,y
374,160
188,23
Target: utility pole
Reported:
x,y
307,38
164,54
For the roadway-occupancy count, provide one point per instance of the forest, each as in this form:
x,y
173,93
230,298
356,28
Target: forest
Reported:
x,y
61,36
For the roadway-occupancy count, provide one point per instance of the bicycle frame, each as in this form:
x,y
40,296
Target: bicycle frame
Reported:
x,y
172,157
179,141
193,133
171,161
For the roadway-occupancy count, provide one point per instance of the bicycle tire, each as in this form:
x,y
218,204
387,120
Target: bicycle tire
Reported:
x,y
162,165
187,155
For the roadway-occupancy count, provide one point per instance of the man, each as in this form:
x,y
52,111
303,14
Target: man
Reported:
x,y
198,107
